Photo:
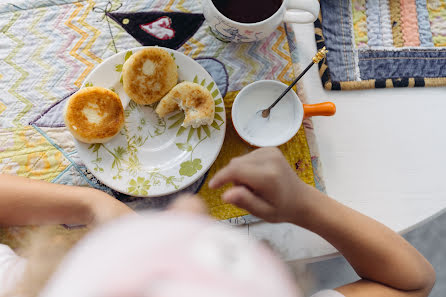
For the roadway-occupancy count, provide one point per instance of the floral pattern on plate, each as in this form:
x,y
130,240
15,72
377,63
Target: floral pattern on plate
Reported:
x,y
152,156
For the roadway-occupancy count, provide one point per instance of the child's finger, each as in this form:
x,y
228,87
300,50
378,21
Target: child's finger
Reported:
x,y
224,176
241,197
238,173
221,178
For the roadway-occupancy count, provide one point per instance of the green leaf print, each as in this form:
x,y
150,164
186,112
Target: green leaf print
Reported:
x,y
218,117
171,180
215,93
217,102
133,165
210,86
96,147
184,147
132,105
118,68
120,152
195,79
191,132
203,82
176,116
88,84
215,125
181,131
189,168
140,186
127,55
218,109
207,131
176,124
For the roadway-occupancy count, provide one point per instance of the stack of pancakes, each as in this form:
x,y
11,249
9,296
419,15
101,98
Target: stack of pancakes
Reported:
x,y
95,114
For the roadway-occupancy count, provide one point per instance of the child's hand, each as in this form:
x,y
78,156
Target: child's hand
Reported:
x,y
265,185
104,207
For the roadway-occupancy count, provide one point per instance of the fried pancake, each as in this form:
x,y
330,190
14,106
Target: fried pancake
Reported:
x,y
149,74
194,99
94,115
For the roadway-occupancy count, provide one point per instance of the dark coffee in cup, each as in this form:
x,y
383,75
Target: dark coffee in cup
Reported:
x,y
247,11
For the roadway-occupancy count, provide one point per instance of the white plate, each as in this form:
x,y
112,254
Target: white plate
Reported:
x,y
152,156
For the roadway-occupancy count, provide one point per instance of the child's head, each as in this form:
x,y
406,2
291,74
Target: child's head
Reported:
x,y
166,255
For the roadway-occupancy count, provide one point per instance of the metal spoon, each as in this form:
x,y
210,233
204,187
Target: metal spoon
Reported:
x,y
316,59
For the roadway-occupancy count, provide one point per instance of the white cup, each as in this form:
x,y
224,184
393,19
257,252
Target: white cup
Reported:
x,y
285,118
291,11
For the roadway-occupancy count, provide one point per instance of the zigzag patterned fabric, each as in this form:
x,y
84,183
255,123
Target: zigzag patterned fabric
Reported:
x,y
382,43
47,48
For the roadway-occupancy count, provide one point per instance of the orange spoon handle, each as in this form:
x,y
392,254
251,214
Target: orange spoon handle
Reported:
x,y
319,109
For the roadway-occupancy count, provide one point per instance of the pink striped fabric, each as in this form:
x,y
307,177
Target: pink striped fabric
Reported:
x,y
409,23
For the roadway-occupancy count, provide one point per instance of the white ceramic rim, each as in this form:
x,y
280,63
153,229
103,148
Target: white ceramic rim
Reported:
x,y
298,121
205,169
280,10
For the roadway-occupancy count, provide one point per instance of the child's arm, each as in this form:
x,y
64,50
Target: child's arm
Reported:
x,y
267,187
26,201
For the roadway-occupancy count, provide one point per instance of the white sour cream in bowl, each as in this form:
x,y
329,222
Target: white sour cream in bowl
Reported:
x,y
283,122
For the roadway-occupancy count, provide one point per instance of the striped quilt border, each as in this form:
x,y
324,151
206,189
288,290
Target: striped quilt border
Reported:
x,y
391,82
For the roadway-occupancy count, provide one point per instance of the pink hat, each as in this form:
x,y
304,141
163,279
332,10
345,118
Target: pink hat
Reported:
x,y
169,255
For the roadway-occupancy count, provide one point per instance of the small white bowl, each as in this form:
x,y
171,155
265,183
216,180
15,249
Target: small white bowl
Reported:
x,y
284,120
282,124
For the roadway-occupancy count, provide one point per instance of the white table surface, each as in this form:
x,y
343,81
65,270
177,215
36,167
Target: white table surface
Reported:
x,y
383,154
